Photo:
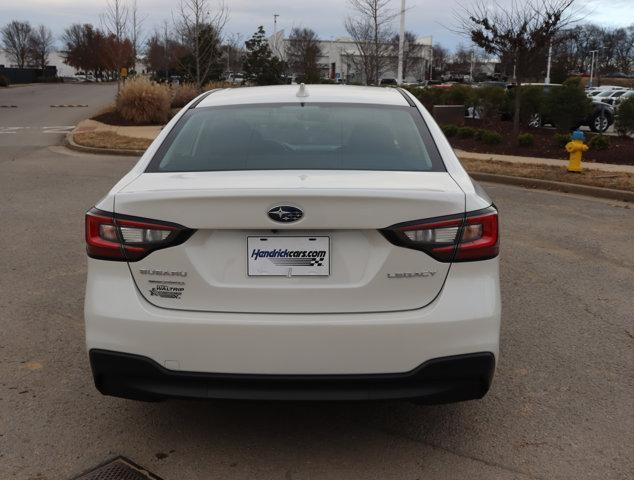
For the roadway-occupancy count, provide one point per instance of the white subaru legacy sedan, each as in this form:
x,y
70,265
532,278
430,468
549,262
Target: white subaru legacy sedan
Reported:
x,y
295,243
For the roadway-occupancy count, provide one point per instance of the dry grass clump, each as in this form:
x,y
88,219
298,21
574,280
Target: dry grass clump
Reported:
x,y
109,139
183,94
143,102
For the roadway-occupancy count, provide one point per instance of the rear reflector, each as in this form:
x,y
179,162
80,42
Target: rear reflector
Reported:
x,y
124,238
459,238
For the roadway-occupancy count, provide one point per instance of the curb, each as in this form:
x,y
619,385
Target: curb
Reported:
x,y
601,192
70,143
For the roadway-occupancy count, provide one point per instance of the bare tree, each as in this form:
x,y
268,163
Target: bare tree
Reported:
x,y
440,57
115,22
115,19
200,28
234,52
370,29
624,55
412,54
303,52
40,46
15,41
521,31
136,28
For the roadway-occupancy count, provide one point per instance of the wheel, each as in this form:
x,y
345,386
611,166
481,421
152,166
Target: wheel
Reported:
x,y
599,123
535,120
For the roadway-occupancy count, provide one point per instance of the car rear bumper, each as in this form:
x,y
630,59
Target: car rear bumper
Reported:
x,y
440,380
463,319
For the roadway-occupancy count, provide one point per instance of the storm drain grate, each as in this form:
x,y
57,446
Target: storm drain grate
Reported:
x,y
118,469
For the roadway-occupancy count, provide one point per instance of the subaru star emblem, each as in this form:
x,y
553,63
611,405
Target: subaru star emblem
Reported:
x,y
285,213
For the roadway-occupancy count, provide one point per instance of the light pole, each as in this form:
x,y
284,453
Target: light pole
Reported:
x,y
275,15
550,54
431,59
401,45
593,52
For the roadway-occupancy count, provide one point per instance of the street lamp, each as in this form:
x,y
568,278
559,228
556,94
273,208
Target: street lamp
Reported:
x,y
592,66
550,54
275,15
431,58
401,44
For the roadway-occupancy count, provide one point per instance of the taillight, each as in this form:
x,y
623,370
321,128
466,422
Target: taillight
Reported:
x,y
125,238
460,238
479,239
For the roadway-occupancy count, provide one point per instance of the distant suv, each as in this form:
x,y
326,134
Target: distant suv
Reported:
x,y
599,120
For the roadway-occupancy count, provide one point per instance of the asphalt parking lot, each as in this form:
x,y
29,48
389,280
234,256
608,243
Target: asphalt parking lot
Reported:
x,y
560,407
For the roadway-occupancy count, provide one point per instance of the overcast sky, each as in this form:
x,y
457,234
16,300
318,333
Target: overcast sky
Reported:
x,y
326,17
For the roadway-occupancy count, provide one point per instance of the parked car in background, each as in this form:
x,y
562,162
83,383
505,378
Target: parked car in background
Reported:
x,y
236,78
601,118
615,97
608,92
85,77
623,97
388,81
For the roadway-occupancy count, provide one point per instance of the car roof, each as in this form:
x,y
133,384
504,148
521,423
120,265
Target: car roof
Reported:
x,y
316,94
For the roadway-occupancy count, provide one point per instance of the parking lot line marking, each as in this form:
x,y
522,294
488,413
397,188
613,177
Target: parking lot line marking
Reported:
x,y
51,129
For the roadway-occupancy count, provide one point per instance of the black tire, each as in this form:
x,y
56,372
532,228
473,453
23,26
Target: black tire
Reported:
x,y
600,122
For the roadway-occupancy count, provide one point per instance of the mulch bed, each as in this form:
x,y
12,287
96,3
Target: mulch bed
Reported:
x,y
620,151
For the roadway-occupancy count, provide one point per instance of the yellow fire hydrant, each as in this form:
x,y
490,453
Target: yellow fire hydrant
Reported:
x,y
575,148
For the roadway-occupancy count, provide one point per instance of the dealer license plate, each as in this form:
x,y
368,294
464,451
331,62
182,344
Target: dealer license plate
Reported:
x,y
288,256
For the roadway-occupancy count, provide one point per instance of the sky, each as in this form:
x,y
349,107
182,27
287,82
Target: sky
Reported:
x,y
326,17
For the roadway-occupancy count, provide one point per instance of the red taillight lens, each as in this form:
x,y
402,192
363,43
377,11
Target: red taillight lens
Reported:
x,y
124,238
101,237
479,240
461,238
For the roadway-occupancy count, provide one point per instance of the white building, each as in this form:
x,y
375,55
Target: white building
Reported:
x,y
338,59
55,59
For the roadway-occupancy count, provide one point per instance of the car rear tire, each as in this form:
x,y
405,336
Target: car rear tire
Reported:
x,y
599,123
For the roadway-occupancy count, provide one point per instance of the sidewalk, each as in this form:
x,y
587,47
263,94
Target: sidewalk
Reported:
x,y
605,167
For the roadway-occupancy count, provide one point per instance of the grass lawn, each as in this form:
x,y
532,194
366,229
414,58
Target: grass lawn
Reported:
x,y
595,178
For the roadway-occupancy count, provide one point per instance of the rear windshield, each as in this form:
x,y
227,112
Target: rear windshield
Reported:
x,y
296,136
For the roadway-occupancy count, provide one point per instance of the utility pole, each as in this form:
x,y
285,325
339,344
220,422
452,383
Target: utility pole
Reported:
x,y
275,15
593,52
471,66
550,55
166,56
431,59
401,45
